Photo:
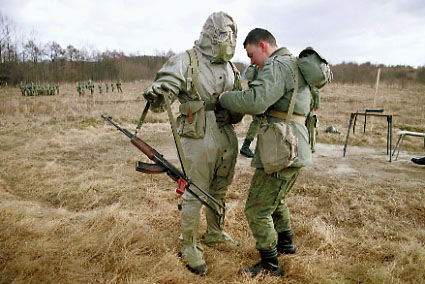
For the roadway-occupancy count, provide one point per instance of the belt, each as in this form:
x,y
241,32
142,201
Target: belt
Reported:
x,y
283,115
209,106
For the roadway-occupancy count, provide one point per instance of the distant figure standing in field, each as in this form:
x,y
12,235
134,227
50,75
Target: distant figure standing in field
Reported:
x,y
22,87
312,120
91,86
106,87
100,88
112,87
119,90
80,89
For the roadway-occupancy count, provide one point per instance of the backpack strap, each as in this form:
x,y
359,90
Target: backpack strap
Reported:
x,y
294,94
237,85
192,73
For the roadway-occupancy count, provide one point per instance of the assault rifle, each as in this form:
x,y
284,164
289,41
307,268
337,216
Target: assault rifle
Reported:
x,y
161,165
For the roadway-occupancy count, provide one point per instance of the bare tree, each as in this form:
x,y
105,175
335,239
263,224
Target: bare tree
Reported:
x,y
55,51
33,51
71,53
6,45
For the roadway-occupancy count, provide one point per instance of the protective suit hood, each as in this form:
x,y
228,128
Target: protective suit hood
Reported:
x,y
209,41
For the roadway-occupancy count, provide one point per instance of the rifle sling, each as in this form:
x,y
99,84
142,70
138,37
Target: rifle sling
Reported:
x,y
175,135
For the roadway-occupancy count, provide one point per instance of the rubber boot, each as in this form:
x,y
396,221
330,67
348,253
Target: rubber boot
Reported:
x,y
245,151
200,270
268,264
284,243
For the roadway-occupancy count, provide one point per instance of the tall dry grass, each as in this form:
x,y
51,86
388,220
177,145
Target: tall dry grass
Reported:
x,y
73,209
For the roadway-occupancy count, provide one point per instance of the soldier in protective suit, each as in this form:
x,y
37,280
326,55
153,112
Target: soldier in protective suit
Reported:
x,y
208,139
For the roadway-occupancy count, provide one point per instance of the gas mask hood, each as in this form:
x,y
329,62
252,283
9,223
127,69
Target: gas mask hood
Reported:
x,y
218,38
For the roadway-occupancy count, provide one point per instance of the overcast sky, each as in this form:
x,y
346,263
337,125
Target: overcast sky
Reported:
x,y
389,32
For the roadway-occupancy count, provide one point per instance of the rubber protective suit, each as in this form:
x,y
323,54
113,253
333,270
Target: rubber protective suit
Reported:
x,y
208,139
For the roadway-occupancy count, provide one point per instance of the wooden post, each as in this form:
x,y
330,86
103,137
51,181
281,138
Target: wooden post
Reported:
x,y
376,87
374,98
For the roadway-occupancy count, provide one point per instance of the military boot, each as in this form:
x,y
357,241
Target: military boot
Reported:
x,y
268,264
245,151
284,243
419,161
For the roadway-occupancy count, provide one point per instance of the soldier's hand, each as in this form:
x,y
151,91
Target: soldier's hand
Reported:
x,y
222,117
150,94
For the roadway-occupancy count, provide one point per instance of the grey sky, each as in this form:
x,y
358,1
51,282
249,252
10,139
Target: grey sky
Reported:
x,y
389,32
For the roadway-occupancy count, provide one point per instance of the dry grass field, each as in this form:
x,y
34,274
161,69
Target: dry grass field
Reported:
x,y
74,210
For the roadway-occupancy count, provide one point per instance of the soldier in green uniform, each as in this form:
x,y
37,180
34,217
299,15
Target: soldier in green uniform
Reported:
x,y
270,94
119,90
80,89
112,87
250,74
57,88
52,90
100,88
312,120
194,77
106,87
22,87
90,85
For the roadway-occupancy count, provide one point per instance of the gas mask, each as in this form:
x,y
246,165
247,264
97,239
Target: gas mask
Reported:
x,y
226,43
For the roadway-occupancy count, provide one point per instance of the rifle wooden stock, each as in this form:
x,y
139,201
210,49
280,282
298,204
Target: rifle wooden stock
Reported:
x,y
144,147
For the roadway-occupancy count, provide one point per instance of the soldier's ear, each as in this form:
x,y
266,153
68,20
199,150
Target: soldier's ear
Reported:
x,y
263,46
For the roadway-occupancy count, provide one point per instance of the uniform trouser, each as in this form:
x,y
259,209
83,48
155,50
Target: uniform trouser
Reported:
x,y
211,162
253,128
266,208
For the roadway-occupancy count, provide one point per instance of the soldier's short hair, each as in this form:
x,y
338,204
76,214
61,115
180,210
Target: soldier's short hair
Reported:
x,y
256,35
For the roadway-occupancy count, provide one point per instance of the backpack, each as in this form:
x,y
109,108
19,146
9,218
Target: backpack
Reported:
x,y
314,68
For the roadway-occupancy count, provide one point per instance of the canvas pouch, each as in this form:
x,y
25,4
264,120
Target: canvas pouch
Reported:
x,y
191,121
278,146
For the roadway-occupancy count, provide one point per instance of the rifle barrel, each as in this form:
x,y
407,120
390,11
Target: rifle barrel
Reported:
x,y
123,130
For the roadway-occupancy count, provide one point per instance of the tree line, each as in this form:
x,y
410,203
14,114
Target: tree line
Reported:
x,y
30,61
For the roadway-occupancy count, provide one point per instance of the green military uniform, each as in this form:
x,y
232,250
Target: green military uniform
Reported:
x,y
253,128
210,153
106,87
80,89
250,74
22,87
266,208
119,90
90,85
100,88
312,120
